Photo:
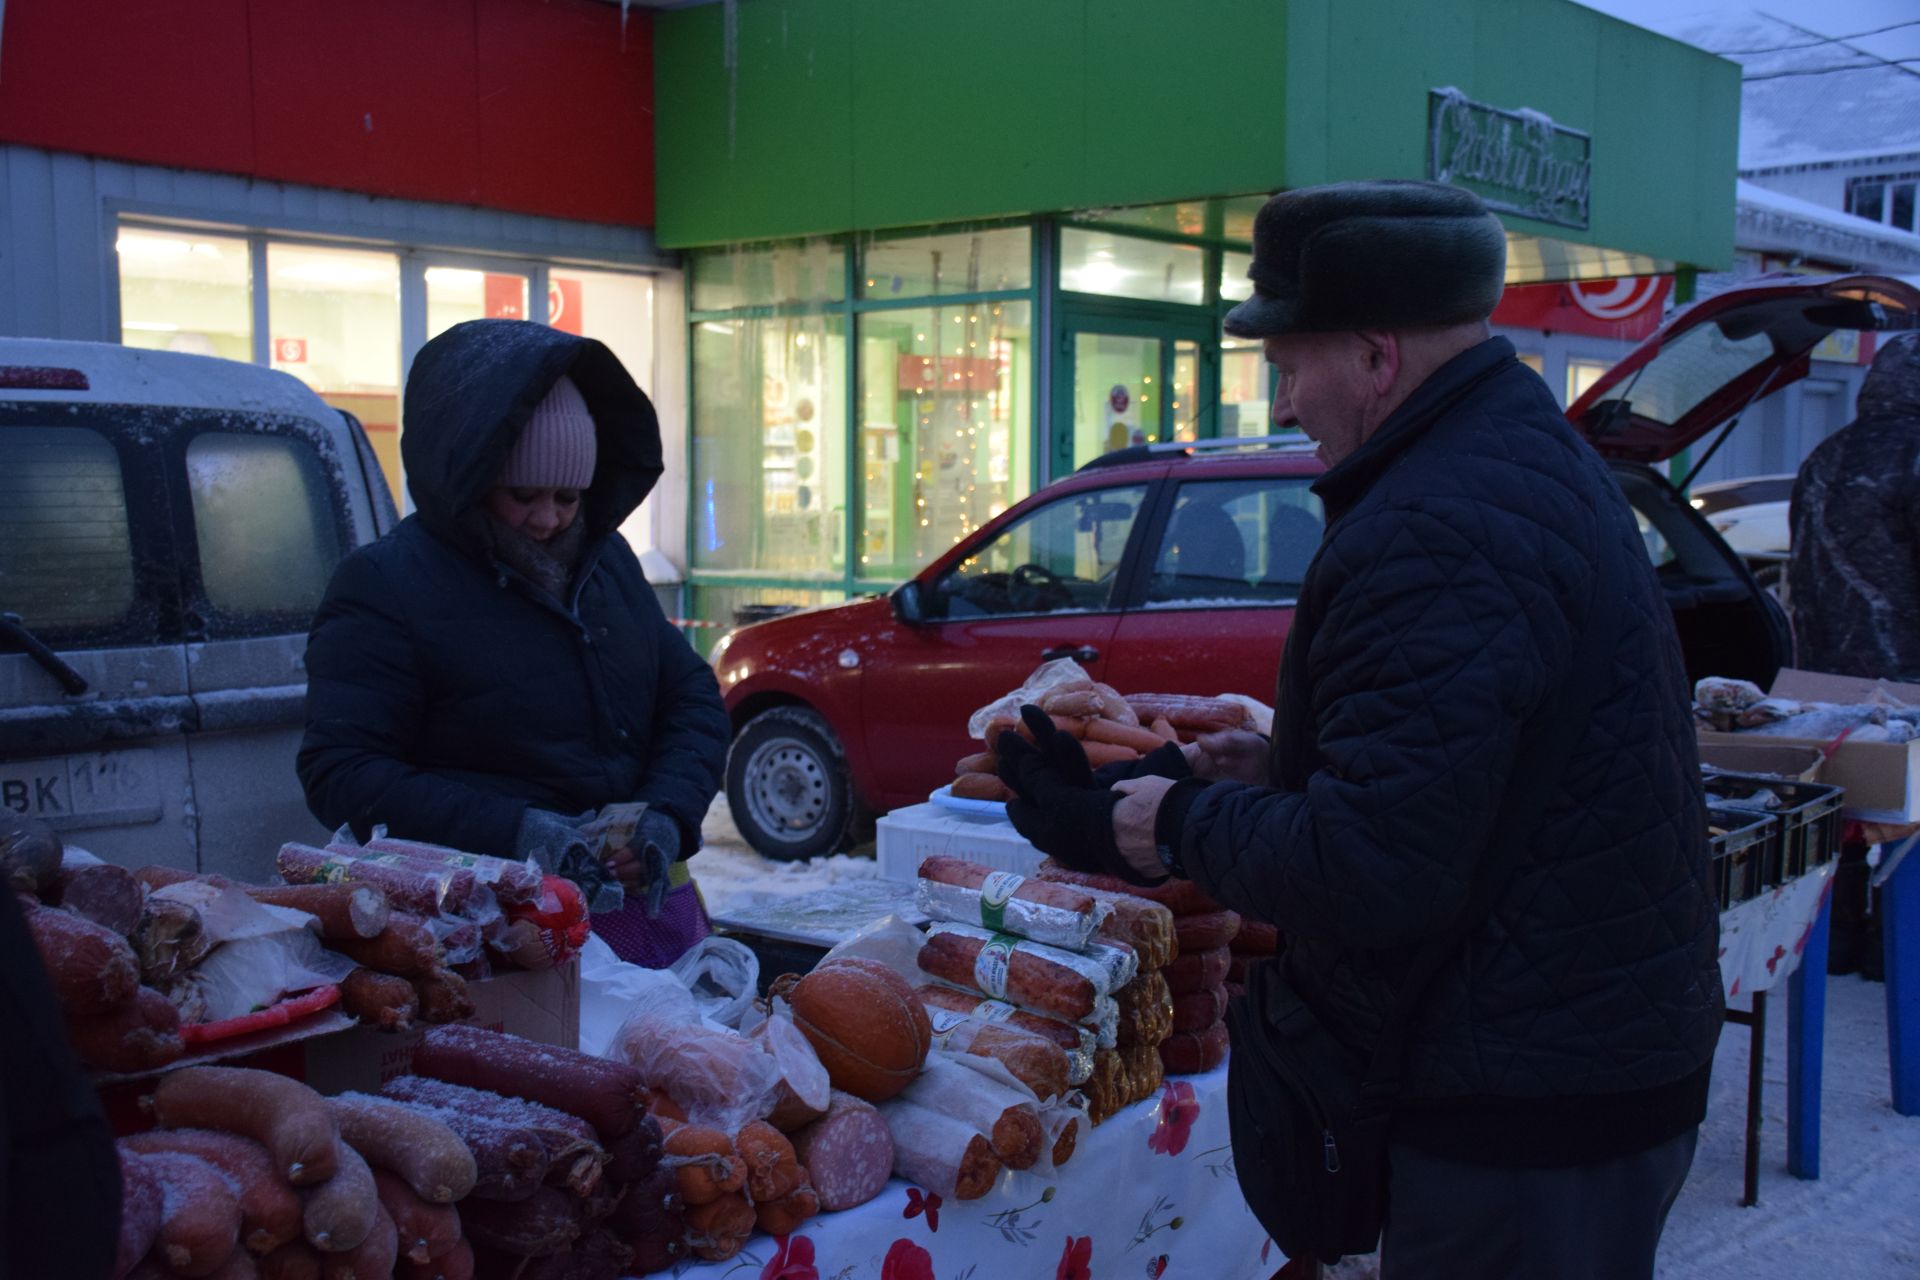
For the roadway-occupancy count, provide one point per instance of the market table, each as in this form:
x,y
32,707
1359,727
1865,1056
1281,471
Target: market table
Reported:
x,y
1152,1190
1781,936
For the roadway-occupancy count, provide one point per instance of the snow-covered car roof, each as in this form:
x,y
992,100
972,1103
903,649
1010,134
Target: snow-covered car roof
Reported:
x,y
113,374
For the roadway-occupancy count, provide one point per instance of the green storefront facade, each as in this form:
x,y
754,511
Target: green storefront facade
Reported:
x,y
939,255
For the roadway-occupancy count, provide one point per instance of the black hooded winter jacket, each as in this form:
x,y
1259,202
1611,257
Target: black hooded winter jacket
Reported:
x,y
445,691
1440,616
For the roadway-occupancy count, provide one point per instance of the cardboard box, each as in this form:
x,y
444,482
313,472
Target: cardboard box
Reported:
x,y
1882,778
541,1005
1747,754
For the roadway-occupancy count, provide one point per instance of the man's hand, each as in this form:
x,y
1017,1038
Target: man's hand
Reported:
x,y
1233,756
1133,821
1056,805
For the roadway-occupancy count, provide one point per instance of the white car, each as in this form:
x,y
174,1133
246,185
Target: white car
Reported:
x,y
1751,514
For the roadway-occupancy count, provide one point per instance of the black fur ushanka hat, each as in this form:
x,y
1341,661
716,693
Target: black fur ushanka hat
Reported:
x,y
1371,255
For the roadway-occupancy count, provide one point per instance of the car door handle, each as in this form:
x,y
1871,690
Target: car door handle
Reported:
x,y
1079,653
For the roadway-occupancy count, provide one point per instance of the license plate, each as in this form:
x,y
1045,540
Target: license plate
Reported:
x,y
103,788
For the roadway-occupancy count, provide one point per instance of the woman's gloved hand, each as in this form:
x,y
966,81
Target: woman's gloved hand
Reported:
x,y
643,863
556,842
1057,804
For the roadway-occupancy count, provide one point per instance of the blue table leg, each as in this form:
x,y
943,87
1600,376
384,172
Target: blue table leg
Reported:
x,y
1900,943
1806,1035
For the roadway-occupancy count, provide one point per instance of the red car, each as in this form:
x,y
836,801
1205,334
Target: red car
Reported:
x,y
1174,569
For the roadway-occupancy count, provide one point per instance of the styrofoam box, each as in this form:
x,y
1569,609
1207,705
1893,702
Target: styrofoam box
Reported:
x,y
905,836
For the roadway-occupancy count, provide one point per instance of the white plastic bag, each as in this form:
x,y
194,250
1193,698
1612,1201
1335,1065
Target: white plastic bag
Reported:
x,y
611,990
1045,678
724,977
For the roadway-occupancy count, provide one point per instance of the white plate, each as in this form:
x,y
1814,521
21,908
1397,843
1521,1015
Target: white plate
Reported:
x,y
945,798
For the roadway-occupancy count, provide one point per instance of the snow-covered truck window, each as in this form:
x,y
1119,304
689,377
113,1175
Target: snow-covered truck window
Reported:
x,y
264,523
66,556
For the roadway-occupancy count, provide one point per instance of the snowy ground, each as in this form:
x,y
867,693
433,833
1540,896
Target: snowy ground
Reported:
x,y
1861,1218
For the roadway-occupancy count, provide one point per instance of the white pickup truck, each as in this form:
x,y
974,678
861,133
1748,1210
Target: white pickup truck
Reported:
x,y
168,524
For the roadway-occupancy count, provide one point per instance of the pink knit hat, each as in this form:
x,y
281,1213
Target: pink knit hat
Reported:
x,y
557,448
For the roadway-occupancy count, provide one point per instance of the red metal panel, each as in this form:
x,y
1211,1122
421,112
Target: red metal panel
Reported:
x,y
367,95
566,109
163,81
537,106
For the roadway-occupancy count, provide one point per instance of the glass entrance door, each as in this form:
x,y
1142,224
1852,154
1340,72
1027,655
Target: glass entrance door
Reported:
x,y
1132,382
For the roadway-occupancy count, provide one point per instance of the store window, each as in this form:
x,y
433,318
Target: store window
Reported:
x,y
1581,375
1118,266
336,327
1234,285
987,261
769,455
181,290
1116,392
458,294
945,427
1245,400
812,271
66,560
264,523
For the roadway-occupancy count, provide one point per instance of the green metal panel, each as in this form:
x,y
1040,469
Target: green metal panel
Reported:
x,y
860,114
964,110
762,149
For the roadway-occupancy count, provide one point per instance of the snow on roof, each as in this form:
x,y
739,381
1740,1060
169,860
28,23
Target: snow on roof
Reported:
x,y
1790,117
134,375
1772,222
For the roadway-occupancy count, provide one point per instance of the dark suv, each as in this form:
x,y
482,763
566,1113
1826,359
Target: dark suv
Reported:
x,y
1174,569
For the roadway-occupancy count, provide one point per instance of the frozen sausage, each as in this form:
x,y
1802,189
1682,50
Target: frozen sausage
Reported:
x,y
427,1155
381,1000
199,1216
93,969
269,1208
609,1095
340,1212
286,1117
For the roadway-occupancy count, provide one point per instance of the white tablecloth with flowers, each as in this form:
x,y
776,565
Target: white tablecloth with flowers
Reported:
x,y
1149,1193
1762,938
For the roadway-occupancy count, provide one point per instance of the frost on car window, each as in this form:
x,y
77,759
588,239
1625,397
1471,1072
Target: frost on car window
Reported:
x,y
66,557
264,522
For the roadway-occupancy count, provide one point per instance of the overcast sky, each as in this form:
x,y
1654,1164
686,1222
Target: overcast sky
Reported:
x,y
1828,17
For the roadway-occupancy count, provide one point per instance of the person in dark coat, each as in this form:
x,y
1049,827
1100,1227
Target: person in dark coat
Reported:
x,y
1853,580
1853,583
496,670
60,1182
1557,1069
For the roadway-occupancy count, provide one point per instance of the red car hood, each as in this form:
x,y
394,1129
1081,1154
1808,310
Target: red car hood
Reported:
x,y
1709,361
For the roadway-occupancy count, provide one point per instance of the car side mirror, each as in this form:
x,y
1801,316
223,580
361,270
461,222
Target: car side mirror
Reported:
x,y
908,606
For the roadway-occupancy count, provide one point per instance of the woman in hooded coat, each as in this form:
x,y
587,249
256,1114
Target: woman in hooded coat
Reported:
x,y
496,669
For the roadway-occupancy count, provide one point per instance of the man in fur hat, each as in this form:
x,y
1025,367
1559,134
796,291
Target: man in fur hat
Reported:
x,y
1482,766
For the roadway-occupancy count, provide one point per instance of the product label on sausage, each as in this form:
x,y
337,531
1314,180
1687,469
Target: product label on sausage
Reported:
x,y
993,1011
995,892
945,1022
991,965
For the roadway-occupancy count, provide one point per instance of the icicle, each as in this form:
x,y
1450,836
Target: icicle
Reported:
x,y
731,59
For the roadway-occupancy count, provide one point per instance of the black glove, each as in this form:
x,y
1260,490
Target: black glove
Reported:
x,y
1162,762
1056,804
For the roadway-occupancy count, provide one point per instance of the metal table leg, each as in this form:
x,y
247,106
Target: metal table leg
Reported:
x,y
1806,1035
1900,944
1756,1080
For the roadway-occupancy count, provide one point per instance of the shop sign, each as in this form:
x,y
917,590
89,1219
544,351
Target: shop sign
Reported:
x,y
289,350
1628,309
1519,162
1118,399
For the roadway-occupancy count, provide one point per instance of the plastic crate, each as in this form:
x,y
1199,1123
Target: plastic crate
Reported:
x,y
1746,841
1809,814
905,836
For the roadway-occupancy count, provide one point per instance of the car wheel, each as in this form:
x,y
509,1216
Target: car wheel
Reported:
x,y
787,785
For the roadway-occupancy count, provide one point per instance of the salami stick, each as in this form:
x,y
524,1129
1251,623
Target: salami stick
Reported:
x,y
408,887
512,882
1038,977
344,910
946,1156
1010,1120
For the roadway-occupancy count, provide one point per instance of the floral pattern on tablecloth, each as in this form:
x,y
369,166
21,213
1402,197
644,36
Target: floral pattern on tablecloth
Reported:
x,y
1151,1193
1761,939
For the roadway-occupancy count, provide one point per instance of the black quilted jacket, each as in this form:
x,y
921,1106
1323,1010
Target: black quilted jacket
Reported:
x,y
1441,614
